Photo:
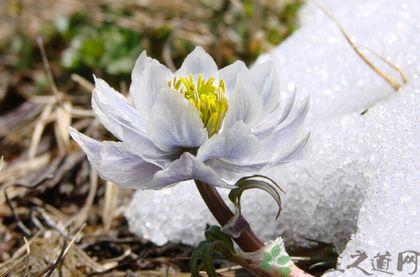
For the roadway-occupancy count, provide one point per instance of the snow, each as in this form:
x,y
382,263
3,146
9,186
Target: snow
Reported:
x,y
389,216
362,174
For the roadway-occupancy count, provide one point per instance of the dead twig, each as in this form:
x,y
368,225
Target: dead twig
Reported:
x,y
18,261
110,204
48,69
62,123
49,222
389,63
394,84
66,246
81,217
20,224
84,83
38,130
58,260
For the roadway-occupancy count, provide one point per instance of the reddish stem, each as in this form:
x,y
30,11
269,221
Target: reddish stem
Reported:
x,y
248,240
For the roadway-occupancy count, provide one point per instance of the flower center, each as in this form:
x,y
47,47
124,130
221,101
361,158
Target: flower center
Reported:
x,y
208,97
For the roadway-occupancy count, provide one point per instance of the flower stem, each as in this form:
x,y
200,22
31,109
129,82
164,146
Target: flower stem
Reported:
x,y
248,240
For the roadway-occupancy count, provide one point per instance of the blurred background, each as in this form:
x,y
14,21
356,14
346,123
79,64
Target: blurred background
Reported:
x,y
57,218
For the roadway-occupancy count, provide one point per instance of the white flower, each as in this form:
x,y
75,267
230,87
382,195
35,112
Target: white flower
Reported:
x,y
197,123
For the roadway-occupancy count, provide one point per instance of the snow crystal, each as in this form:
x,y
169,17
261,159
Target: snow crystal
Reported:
x,y
355,157
389,217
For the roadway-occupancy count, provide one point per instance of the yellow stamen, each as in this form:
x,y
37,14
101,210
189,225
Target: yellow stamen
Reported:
x,y
208,97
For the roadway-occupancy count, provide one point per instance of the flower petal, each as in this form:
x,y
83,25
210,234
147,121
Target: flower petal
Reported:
x,y
142,61
187,167
123,121
244,104
299,150
114,163
229,74
265,78
148,151
229,170
234,143
149,77
283,137
114,105
287,107
276,117
269,122
174,123
198,62
289,126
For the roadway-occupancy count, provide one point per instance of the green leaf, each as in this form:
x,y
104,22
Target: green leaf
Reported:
x,y
275,251
111,48
194,262
283,260
285,271
265,265
207,260
213,233
224,249
266,178
267,257
217,245
250,182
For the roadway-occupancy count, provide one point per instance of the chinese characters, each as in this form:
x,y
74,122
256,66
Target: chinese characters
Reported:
x,y
383,262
